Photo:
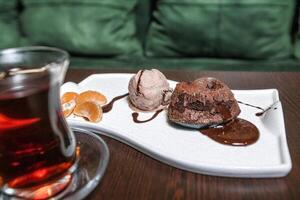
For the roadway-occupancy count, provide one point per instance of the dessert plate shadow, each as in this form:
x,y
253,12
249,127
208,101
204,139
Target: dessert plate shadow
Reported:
x,y
186,148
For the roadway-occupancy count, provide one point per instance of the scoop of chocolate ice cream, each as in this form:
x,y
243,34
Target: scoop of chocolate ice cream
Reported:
x,y
149,90
203,102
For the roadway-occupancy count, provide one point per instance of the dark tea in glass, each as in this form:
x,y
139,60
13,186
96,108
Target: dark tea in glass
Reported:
x,y
37,149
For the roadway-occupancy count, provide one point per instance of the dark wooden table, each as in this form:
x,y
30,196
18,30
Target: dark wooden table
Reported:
x,y
133,175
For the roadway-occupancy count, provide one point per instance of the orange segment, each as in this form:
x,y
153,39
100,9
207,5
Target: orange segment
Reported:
x,y
92,96
68,102
68,108
89,110
68,96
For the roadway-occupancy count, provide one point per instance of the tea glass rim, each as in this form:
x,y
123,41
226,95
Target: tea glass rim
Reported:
x,y
63,55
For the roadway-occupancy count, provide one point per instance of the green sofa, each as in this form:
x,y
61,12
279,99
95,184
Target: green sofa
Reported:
x,y
252,35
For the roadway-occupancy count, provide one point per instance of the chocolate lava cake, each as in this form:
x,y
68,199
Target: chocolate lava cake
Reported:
x,y
203,102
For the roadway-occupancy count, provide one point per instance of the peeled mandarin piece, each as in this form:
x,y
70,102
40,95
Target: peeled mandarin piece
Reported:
x,y
68,96
68,101
67,113
92,96
68,108
89,110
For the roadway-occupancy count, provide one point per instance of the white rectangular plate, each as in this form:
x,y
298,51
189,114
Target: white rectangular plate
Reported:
x,y
188,149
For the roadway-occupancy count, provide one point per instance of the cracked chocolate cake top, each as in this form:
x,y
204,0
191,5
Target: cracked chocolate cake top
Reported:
x,y
204,101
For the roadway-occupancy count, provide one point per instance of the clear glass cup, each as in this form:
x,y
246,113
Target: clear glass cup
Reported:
x,y
37,148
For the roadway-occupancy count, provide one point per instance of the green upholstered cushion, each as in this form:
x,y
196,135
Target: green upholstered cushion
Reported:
x,y
86,27
297,24
185,64
297,49
9,30
249,29
143,18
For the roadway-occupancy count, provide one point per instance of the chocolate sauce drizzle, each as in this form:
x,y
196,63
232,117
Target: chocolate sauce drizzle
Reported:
x,y
263,111
237,132
136,114
246,104
109,106
269,108
139,82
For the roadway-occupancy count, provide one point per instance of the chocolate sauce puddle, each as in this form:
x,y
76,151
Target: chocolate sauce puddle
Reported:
x,y
237,132
135,116
263,111
110,105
